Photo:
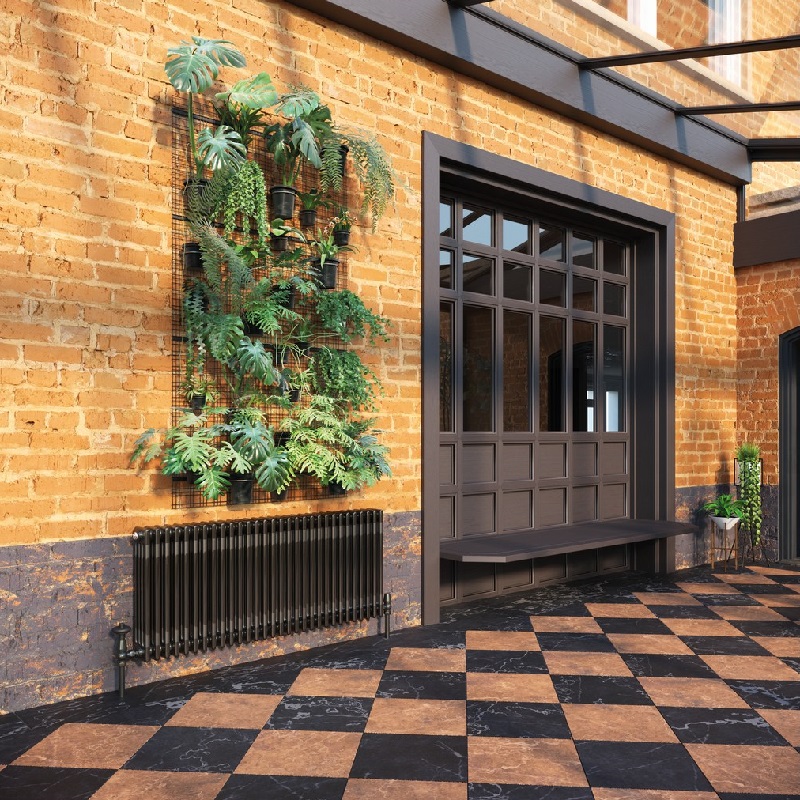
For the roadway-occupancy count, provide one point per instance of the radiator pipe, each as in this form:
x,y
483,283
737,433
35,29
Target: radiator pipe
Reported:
x,y
123,654
387,614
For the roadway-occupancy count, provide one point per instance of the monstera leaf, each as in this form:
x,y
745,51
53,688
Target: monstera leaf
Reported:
x,y
255,92
221,148
194,67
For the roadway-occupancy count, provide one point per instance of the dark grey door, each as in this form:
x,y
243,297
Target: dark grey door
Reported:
x,y
533,406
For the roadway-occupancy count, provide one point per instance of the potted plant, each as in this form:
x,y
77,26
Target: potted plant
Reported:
x,y
724,511
326,261
245,205
344,314
342,375
748,456
242,107
298,138
310,201
342,224
193,68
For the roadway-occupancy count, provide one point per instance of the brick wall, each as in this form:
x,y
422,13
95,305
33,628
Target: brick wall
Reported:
x,y
85,259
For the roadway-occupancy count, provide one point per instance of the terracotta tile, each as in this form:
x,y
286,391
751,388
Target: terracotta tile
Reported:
x,y
743,577
786,722
565,625
549,762
314,682
327,754
773,570
432,717
368,789
666,599
749,768
701,627
427,659
650,794
781,646
227,710
692,693
748,613
614,723
708,588
502,640
564,662
88,745
510,688
624,610
758,668
778,600
132,784
649,643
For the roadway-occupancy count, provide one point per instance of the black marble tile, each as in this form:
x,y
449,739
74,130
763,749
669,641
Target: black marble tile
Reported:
x,y
721,726
633,625
576,642
612,690
505,661
423,685
761,588
572,610
728,600
321,713
16,736
185,749
683,612
257,680
431,636
775,628
645,665
411,757
279,787
507,791
641,765
517,720
768,694
724,646
790,612
49,783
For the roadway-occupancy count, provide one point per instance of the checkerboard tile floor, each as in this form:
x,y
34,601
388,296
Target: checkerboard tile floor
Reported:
x,y
632,688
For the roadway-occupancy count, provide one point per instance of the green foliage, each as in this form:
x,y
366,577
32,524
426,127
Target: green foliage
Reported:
x,y
242,108
342,375
748,456
724,506
246,204
220,148
344,314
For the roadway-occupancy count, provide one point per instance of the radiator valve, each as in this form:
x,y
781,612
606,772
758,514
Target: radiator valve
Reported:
x,y
123,654
387,613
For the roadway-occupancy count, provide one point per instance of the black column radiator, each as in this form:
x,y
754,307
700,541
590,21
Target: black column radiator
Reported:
x,y
219,584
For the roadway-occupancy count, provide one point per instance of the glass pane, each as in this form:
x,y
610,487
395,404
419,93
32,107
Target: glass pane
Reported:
x,y
583,380
551,374
478,225
582,250
552,288
478,369
614,376
478,274
446,218
516,235
446,269
551,242
517,282
614,257
614,299
516,371
583,293
446,367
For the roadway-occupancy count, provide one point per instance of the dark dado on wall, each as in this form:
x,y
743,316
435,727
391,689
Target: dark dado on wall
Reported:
x,y
59,600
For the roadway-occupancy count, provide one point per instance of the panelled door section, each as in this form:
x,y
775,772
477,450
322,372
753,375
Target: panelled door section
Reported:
x,y
533,404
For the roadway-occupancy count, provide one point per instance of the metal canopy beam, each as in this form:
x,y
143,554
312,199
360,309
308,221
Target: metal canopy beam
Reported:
x,y
739,108
783,149
466,3
653,56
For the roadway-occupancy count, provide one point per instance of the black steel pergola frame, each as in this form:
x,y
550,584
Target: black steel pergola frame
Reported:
x,y
778,149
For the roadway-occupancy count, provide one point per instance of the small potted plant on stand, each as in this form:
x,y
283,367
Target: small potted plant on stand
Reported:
x,y
725,513
748,457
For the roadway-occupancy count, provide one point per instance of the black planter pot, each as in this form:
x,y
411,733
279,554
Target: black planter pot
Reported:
x,y
342,238
308,217
327,272
278,497
282,201
285,296
279,243
192,258
241,491
190,186
198,403
336,489
250,328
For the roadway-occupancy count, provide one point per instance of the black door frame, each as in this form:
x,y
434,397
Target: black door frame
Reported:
x,y
788,445
652,231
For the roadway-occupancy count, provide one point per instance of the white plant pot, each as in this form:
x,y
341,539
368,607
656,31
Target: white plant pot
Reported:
x,y
725,523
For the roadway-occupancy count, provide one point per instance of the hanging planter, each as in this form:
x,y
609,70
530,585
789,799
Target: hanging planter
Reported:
x,y
192,186
336,489
197,402
308,217
192,257
241,491
326,272
282,201
341,237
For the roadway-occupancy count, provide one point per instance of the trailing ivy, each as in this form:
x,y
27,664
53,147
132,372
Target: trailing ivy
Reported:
x,y
246,203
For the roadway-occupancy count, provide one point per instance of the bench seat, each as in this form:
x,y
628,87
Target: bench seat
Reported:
x,y
503,548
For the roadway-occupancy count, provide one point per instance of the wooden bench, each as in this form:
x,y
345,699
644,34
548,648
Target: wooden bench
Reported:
x,y
503,548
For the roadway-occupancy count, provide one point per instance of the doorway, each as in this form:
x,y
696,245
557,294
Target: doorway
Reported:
x,y
789,451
